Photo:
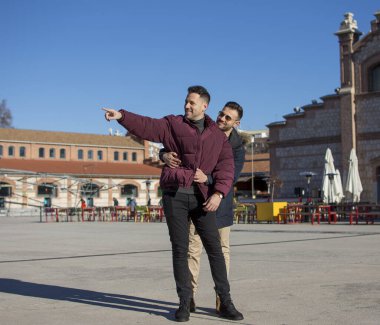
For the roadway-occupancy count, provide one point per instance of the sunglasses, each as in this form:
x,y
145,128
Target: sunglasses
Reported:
x,y
227,117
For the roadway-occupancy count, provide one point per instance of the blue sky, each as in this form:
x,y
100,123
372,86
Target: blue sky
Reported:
x,y
62,60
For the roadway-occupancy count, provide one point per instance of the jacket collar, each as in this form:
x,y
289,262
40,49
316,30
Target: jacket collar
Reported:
x,y
208,121
235,139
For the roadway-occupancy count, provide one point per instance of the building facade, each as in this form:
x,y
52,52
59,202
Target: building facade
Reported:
x,y
348,118
58,169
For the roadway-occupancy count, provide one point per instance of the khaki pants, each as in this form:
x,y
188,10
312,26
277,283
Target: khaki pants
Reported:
x,y
195,251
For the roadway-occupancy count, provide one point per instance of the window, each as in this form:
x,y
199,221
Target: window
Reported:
x,y
125,156
134,156
62,153
51,153
374,79
1,150
47,189
90,202
80,154
41,152
90,190
5,189
11,151
22,151
100,155
116,155
90,155
129,190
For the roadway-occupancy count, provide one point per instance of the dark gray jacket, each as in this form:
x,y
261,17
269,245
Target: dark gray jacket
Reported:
x,y
225,212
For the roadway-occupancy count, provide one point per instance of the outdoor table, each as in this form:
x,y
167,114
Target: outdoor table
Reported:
x,y
368,212
122,213
155,213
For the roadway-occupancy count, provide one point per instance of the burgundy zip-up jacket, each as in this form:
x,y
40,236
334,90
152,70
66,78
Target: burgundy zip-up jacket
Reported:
x,y
209,151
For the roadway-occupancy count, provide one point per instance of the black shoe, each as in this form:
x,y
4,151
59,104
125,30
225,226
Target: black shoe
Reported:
x,y
182,314
193,307
228,310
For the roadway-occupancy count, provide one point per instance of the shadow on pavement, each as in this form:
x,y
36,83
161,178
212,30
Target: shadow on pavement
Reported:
x,y
102,299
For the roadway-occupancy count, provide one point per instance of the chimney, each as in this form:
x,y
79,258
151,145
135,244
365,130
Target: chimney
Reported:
x,y
375,24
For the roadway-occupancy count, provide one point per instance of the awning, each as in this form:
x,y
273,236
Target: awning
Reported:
x,y
244,179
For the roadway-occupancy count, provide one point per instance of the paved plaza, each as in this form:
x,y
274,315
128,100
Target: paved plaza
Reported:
x,y
121,273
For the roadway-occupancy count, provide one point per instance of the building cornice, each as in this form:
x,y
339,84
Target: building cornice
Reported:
x,y
304,142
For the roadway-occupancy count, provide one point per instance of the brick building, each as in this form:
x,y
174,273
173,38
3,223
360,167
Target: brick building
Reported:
x,y
58,168
253,180
349,118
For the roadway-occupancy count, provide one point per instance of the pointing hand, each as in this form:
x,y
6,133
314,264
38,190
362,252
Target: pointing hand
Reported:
x,y
111,114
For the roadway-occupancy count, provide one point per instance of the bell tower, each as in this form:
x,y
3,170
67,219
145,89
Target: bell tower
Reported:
x,y
348,34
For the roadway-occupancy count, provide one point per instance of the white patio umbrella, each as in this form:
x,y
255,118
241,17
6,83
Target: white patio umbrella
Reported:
x,y
354,185
338,187
331,182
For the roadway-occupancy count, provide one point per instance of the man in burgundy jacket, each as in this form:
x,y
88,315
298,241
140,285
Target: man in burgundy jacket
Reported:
x,y
199,143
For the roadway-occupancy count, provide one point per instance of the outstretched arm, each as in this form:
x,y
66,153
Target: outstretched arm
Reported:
x,y
147,128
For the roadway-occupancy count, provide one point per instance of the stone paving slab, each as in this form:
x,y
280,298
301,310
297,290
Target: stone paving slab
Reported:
x,y
121,273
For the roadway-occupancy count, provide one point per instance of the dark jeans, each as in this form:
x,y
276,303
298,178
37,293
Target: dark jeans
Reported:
x,y
179,207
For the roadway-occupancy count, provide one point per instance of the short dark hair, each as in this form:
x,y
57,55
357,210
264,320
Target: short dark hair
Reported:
x,y
235,106
201,91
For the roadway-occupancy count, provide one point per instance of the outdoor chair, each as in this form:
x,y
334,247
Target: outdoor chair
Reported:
x,y
241,214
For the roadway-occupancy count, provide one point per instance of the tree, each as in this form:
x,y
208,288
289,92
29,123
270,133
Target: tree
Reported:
x,y
5,115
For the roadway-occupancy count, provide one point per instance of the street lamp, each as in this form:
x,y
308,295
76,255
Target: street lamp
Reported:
x,y
308,176
253,175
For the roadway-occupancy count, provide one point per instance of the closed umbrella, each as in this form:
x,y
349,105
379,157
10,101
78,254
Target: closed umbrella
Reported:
x,y
338,187
354,185
331,183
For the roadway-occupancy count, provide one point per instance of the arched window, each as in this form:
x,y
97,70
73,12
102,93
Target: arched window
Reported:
x,y
22,151
116,155
80,154
41,152
11,151
129,190
134,156
62,153
125,156
374,78
5,189
100,155
90,190
51,153
90,155
47,189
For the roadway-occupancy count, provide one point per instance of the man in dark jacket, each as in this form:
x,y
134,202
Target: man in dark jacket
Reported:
x,y
228,119
200,145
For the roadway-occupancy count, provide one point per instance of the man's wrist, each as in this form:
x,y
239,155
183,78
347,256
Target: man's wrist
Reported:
x,y
121,115
219,194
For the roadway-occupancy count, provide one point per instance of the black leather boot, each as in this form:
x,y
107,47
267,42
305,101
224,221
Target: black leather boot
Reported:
x,y
182,314
193,306
228,310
